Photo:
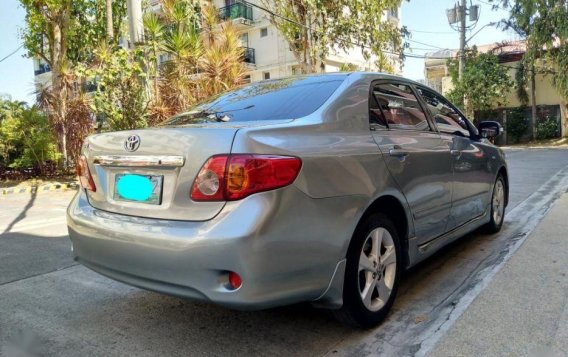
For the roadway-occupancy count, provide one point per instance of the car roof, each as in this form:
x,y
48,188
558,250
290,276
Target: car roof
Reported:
x,y
361,74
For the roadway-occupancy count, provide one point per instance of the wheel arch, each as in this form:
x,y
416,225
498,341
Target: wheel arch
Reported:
x,y
394,208
391,204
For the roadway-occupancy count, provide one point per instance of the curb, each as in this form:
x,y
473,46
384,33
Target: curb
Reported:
x,y
44,188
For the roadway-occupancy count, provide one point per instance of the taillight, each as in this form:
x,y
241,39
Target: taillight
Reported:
x,y
210,182
84,174
233,177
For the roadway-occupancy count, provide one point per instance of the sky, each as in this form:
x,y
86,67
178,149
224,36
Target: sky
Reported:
x,y
426,19
16,72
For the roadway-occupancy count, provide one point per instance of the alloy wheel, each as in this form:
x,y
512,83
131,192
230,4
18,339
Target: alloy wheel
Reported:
x,y
498,202
377,269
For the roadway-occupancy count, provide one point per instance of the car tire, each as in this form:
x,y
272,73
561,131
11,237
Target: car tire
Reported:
x,y
498,199
372,274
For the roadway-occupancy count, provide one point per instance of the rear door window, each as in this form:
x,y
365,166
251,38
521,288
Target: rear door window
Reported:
x,y
394,105
447,119
288,98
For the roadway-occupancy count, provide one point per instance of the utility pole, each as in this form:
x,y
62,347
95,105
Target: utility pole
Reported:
x,y
457,19
461,12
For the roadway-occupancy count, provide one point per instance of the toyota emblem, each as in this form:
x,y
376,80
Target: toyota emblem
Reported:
x,y
132,143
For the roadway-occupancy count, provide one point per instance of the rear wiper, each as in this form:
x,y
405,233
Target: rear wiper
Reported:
x,y
216,115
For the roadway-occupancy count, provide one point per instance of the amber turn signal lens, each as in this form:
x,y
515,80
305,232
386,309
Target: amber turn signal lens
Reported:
x,y
238,178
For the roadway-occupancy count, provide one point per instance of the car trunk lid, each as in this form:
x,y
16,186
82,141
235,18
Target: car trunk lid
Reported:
x,y
170,157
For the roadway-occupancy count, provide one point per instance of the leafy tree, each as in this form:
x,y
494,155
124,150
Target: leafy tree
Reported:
x,y
348,67
484,84
320,26
203,56
8,110
120,95
545,26
25,137
63,33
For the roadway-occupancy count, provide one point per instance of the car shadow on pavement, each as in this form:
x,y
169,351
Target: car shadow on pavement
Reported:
x,y
25,255
98,316
167,325
22,215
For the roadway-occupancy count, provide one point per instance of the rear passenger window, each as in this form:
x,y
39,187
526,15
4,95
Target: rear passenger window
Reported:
x,y
447,119
395,106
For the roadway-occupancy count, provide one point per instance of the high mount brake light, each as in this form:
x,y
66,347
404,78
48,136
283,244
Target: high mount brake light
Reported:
x,y
84,174
236,176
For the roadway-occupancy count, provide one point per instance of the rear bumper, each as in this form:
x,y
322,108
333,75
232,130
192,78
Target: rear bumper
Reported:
x,y
281,257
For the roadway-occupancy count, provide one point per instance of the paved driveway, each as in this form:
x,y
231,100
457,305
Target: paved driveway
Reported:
x,y
49,304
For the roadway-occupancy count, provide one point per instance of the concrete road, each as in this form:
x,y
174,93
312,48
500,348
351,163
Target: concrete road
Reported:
x,y
54,307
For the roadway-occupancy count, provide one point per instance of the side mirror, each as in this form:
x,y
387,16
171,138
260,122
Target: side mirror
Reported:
x,y
490,129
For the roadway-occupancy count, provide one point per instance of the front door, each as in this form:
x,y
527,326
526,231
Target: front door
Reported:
x,y
472,174
416,156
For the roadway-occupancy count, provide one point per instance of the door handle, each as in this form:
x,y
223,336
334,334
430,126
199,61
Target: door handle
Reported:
x,y
398,153
455,153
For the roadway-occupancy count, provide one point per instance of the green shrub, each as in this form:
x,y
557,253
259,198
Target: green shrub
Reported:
x,y
547,128
517,124
26,140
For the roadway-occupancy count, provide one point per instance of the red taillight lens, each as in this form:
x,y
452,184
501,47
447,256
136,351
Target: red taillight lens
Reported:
x,y
84,174
233,177
248,174
235,280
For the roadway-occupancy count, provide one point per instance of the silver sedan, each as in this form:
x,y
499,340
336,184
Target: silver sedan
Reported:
x,y
321,188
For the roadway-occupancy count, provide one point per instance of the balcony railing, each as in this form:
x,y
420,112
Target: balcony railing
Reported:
x,y
234,11
43,68
248,55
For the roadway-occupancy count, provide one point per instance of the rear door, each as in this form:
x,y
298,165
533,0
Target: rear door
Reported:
x,y
473,177
416,156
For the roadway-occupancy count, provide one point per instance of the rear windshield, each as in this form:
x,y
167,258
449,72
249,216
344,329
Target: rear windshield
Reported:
x,y
287,98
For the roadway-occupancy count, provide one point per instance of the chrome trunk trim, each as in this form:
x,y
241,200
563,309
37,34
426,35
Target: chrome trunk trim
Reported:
x,y
142,160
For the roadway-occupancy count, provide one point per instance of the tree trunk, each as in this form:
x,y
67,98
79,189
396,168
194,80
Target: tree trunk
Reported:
x,y
64,146
109,28
533,103
58,89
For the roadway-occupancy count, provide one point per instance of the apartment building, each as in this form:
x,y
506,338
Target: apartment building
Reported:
x,y
266,52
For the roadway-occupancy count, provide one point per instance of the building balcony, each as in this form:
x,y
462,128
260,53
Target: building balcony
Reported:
x,y
43,68
248,55
239,13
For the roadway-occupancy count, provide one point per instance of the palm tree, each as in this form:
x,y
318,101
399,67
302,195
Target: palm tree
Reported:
x,y
203,55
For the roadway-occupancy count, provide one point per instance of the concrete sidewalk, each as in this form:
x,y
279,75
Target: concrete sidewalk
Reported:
x,y
524,310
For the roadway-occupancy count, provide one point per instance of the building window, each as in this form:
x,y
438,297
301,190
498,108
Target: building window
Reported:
x,y
244,40
264,32
246,79
266,75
